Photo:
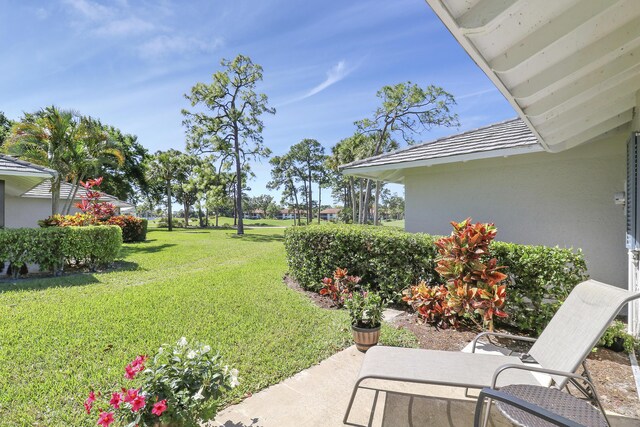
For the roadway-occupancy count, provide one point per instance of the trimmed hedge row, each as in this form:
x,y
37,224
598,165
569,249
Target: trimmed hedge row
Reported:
x,y
390,260
51,248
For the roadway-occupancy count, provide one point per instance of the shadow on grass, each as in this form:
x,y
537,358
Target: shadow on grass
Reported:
x,y
259,237
143,248
41,283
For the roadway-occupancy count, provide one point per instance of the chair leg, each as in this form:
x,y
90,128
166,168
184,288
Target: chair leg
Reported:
x,y
589,391
353,397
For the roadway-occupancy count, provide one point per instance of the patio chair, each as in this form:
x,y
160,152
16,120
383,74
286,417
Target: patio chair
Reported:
x,y
563,346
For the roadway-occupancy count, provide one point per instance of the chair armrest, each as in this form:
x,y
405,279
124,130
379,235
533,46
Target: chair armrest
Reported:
x,y
520,404
499,335
540,369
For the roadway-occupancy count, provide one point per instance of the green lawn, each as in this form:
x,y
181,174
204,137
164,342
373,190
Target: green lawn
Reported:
x,y
394,223
61,336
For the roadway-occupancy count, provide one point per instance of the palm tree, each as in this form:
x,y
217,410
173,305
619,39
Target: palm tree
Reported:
x,y
44,138
93,149
166,167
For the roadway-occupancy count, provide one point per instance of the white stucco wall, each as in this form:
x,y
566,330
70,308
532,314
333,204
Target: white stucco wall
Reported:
x,y
563,199
25,212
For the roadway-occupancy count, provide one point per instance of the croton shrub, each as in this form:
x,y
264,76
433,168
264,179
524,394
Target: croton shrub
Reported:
x,y
390,260
474,283
53,248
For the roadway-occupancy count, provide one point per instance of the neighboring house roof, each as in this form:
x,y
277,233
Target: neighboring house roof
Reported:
x,y
10,165
43,191
569,68
330,211
20,176
506,138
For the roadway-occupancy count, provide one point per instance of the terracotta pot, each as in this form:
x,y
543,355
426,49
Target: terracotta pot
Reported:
x,y
365,338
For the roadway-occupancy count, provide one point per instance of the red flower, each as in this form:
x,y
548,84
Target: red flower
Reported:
x,y
88,404
105,419
159,407
116,398
130,395
138,403
136,366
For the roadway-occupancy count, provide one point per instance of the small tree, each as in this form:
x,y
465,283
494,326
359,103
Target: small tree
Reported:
x,y
230,122
166,167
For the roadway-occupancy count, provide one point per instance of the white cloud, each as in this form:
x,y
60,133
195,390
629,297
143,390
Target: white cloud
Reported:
x,y
334,75
89,9
478,93
165,45
108,21
123,27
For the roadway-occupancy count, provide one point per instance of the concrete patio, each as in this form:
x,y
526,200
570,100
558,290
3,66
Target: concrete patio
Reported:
x,y
318,396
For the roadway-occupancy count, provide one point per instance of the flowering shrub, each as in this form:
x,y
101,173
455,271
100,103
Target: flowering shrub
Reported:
x,y
473,280
180,385
340,286
365,309
90,202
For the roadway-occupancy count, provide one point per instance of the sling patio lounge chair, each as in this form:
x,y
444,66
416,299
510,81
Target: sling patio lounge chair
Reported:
x,y
562,347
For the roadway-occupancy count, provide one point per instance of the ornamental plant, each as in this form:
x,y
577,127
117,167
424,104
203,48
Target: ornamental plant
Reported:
x,y
340,286
474,285
430,302
365,309
179,386
90,201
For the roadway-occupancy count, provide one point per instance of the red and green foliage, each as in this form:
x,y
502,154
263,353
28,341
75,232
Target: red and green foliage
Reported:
x,y
474,284
95,212
430,302
90,201
340,286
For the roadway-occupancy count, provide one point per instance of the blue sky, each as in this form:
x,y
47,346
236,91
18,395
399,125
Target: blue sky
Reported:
x,y
130,62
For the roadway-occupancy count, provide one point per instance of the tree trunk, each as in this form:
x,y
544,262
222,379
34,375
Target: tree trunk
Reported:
x,y
295,208
169,213
238,182
319,200
367,200
186,215
71,196
55,195
354,207
217,215
310,199
375,207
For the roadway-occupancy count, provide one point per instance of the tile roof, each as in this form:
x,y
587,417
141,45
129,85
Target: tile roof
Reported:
x,y
43,190
9,164
509,134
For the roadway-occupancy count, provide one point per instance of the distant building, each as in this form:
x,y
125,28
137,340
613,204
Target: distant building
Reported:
x,y
330,214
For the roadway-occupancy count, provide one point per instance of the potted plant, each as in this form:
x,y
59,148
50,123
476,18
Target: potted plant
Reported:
x,y
617,339
178,387
365,309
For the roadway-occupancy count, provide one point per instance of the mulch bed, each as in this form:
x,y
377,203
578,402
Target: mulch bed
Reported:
x,y
611,371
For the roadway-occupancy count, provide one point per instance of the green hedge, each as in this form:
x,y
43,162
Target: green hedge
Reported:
x,y
387,258
541,279
390,260
51,248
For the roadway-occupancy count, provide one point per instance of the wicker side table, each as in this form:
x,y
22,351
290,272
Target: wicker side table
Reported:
x,y
537,406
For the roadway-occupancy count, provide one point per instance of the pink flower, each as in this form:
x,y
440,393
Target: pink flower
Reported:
x,y
159,407
138,403
116,398
105,419
136,366
130,394
130,372
88,404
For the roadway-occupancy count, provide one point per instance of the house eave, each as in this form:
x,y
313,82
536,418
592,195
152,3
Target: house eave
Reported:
x,y
394,172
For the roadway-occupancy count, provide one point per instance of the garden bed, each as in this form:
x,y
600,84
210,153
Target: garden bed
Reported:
x,y
611,371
